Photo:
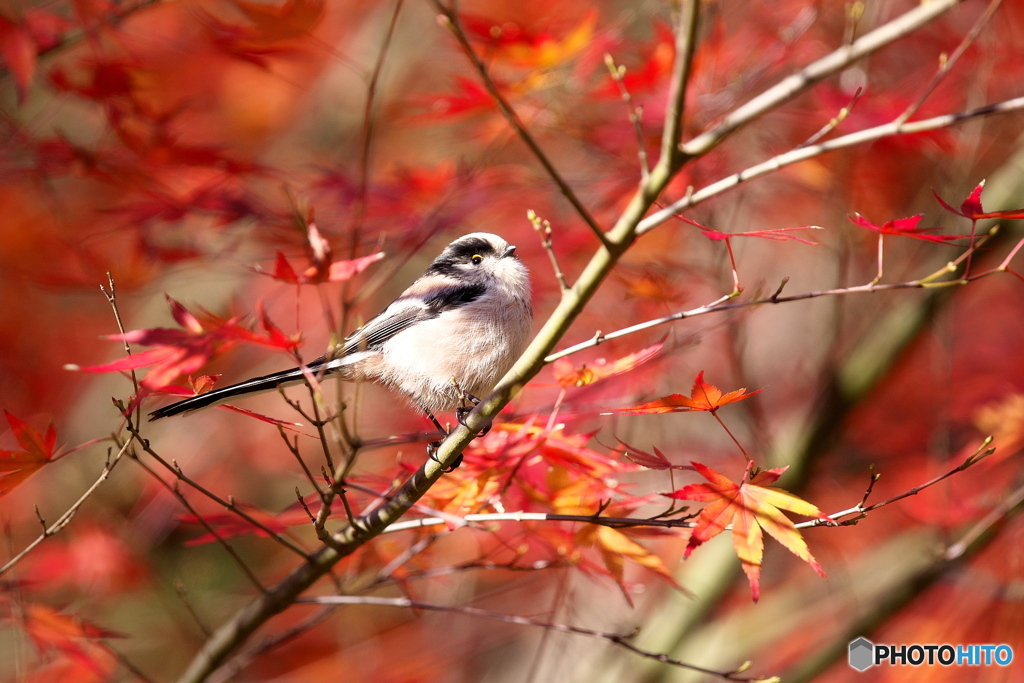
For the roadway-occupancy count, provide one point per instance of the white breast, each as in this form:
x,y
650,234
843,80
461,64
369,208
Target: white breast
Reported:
x,y
474,345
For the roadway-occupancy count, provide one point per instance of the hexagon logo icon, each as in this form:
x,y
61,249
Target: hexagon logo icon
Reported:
x,y
862,654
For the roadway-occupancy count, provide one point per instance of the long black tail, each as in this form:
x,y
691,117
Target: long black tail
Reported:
x,y
253,386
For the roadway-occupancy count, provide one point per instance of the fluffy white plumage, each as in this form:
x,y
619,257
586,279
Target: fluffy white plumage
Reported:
x,y
457,329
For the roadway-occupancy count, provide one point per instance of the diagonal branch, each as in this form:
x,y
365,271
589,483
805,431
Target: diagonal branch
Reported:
x,y
804,153
817,71
686,42
451,19
622,640
69,514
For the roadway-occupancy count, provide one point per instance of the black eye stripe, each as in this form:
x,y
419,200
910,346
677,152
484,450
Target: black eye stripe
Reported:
x,y
466,249
460,253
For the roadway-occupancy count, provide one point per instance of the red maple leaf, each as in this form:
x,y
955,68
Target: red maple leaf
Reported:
x,y
322,266
904,227
971,207
750,507
468,96
37,449
183,351
777,234
704,396
652,461
21,41
76,639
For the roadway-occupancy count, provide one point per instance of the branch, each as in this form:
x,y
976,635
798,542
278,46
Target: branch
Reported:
x,y
229,505
861,509
946,62
451,20
805,153
726,304
686,42
66,518
622,640
817,71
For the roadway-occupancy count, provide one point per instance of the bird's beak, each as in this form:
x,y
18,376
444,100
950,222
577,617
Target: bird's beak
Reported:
x,y
510,250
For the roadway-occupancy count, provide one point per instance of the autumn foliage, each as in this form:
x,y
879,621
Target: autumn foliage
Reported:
x,y
777,283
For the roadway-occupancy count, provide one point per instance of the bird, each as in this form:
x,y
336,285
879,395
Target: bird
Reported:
x,y
447,339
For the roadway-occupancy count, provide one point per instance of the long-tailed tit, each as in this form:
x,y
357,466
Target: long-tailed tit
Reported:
x,y
448,338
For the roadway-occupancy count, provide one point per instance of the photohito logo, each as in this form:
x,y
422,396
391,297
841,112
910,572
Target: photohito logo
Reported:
x,y
865,654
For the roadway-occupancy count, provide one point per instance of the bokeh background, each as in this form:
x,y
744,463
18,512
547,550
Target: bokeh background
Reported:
x,y
181,146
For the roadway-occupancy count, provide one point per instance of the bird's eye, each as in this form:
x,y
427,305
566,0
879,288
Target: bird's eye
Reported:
x,y
476,259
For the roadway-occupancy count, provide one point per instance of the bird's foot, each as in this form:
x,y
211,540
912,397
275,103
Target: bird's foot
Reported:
x,y
432,454
460,415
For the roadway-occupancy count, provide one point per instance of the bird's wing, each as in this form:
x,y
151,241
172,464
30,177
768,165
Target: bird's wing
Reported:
x,y
385,326
413,307
420,302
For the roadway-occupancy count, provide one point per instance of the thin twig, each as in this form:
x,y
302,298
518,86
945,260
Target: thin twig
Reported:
x,y
804,153
173,490
622,640
946,63
451,20
182,591
69,514
228,505
543,229
635,112
293,448
371,97
982,452
834,123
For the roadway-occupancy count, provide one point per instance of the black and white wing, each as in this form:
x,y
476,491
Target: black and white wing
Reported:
x,y
413,307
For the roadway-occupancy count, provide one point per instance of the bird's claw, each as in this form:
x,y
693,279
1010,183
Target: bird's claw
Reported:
x,y
432,454
460,415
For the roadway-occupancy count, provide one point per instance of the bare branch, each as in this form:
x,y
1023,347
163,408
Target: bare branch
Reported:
x,y
946,63
817,71
69,514
635,115
834,122
229,505
173,490
451,20
622,640
543,229
804,153
686,42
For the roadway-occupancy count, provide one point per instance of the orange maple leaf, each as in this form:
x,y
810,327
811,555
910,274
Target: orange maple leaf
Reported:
x,y
37,449
749,506
615,548
704,396
77,640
